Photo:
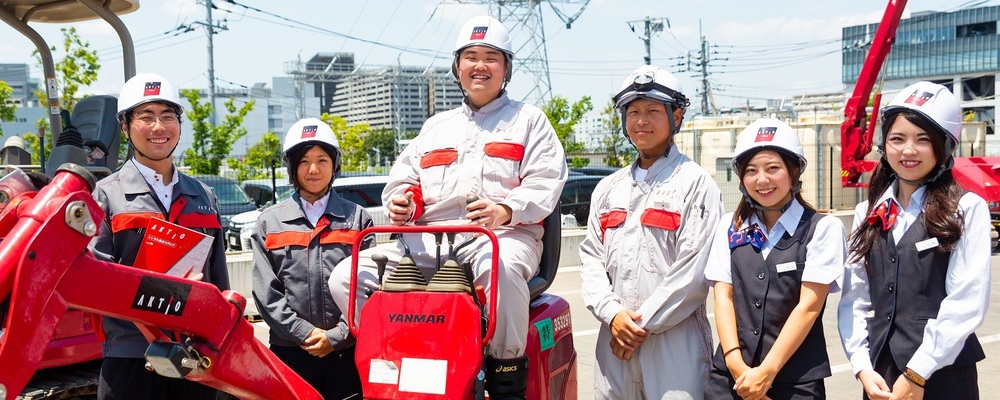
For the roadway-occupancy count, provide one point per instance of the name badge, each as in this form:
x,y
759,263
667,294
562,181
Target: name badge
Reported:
x,y
785,267
927,244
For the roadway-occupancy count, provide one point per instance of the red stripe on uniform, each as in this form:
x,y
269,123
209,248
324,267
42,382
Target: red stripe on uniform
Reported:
x,y
662,219
510,151
612,219
195,220
278,240
340,236
438,158
135,220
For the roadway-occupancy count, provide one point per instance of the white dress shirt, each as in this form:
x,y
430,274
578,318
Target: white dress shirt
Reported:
x,y
164,191
967,285
825,253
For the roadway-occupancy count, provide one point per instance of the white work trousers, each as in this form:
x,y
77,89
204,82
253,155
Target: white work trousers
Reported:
x,y
671,365
519,255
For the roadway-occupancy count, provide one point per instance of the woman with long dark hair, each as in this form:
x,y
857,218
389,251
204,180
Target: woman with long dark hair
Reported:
x,y
917,282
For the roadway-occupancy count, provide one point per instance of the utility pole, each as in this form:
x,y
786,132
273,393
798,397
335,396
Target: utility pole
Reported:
x,y
705,87
210,28
650,26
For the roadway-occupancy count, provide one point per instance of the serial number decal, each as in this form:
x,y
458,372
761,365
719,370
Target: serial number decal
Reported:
x,y
562,322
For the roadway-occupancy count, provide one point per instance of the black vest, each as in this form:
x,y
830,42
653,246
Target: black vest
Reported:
x,y
763,299
898,326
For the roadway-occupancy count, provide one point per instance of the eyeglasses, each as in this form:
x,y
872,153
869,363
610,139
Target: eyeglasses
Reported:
x,y
165,120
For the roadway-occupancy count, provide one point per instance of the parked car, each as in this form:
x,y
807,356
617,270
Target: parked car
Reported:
x,y
366,191
575,198
596,171
261,191
232,199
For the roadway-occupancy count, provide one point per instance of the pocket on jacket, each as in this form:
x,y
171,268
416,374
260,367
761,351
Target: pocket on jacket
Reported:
x,y
501,168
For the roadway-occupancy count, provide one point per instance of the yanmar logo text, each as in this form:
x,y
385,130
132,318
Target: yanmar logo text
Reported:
x,y
161,296
417,318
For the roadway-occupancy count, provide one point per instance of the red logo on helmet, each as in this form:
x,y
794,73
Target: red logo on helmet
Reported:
x,y
918,98
766,133
152,89
478,33
309,131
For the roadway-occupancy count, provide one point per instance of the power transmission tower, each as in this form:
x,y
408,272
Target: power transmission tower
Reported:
x,y
523,18
650,26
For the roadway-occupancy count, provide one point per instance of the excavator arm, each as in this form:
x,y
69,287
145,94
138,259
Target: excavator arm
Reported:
x,y
857,130
45,268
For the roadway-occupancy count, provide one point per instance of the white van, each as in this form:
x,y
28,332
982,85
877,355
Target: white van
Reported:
x,y
363,190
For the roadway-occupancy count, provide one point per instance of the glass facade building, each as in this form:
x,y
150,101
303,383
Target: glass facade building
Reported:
x,y
930,44
958,49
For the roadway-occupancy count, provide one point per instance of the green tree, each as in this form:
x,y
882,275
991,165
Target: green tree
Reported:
x,y
78,67
564,118
384,140
257,163
7,105
614,143
351,140
212,144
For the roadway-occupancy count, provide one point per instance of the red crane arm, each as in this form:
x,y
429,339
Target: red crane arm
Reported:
x,y
856,132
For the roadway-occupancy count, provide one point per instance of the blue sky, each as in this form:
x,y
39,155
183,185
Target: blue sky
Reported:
x,y
769,53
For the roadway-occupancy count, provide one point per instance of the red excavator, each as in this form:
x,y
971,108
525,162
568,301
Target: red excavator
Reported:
x,y
980,175
51,286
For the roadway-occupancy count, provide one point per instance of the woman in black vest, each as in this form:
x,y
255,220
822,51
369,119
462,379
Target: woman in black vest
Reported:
x,y
772,264
917,284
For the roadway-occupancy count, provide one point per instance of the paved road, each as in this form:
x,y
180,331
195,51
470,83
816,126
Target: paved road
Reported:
x,y
841,386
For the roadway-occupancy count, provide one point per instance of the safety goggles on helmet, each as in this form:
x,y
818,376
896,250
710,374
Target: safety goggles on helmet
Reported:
x,y
645,86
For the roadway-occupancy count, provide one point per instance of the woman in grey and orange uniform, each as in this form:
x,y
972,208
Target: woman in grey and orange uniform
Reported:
x,y
772,264
918,279
643,262
296,243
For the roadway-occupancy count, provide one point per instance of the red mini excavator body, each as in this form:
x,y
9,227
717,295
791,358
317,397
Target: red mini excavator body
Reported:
x,y
45,269
430,345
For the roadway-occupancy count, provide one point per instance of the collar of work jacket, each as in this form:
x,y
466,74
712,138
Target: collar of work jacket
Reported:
x,y
489,108
134,183
334,206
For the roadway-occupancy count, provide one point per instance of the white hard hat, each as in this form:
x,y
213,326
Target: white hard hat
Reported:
x,y
932,101
653,83
306,131
145,88
770,134
484,30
